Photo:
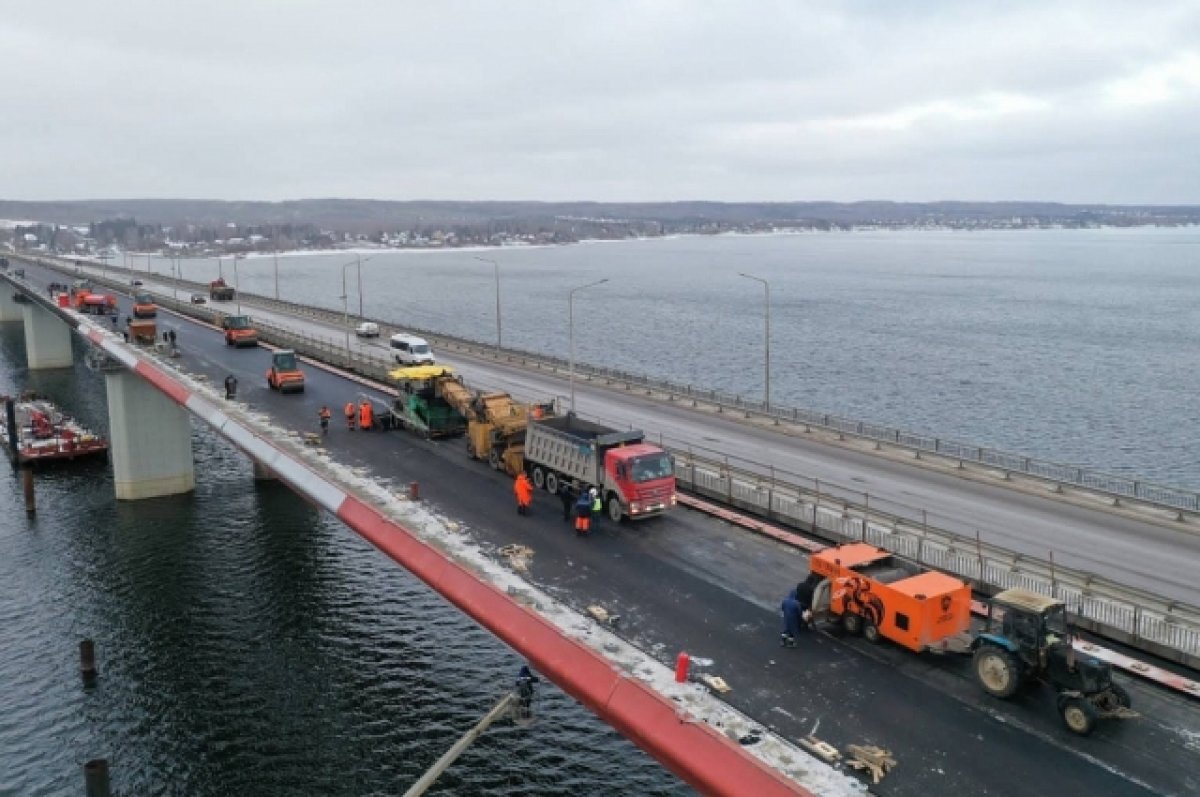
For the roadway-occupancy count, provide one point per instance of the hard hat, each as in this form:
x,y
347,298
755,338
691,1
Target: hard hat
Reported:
x,y
592,492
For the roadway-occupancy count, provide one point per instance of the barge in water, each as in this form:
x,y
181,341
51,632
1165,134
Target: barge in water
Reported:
x,y
34,430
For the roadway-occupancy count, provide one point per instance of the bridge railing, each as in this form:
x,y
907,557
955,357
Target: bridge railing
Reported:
x,y
1168,628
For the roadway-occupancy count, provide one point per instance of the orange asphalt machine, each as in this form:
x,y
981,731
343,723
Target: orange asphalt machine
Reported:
x,y
872,592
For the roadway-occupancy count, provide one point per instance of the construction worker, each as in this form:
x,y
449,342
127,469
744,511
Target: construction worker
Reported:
x,y
566,495
583,514
597,504
324,414
364,415
351,413
523,488
792,620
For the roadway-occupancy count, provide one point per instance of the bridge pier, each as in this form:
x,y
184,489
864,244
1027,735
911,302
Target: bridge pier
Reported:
x,y
150,438
9,309
47,339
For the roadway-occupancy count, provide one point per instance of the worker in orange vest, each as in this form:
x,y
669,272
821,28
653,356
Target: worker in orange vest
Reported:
x,y
364,415
523,489
350,415
324,415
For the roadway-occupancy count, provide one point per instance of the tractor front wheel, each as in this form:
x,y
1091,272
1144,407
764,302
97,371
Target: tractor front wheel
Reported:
x,y
1078,714
996,671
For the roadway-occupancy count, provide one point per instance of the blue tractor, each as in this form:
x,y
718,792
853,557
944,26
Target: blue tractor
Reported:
x,y
1027,638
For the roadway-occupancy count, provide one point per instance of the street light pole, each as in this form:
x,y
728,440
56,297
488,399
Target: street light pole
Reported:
x,y
277,274
571,325
767,339
496,266
237,284
345,305
358,259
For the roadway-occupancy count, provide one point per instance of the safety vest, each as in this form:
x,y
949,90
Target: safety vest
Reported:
x,y
597,504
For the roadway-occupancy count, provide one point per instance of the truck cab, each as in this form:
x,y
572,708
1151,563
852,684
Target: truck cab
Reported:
x,y
143,306
639,480
239,331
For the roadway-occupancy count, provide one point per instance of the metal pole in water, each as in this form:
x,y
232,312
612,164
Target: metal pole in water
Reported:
x,y
443,763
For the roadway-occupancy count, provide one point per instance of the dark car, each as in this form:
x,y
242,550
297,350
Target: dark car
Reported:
x,y
198,298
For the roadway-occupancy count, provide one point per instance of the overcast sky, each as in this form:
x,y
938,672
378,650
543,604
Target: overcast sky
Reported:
x,y
621,101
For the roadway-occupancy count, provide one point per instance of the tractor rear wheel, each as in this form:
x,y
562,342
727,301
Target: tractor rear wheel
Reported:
x,y
996,671
1078,714
1121,695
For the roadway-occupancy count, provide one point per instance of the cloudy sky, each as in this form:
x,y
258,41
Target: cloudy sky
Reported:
x,y
621,101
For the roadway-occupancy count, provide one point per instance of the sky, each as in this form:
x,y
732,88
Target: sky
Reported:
x,y
751,100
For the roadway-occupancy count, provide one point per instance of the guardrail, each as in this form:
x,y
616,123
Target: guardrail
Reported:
x,y
1167,628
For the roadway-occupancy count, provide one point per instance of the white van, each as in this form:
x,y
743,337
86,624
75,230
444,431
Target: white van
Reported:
x,y
411,350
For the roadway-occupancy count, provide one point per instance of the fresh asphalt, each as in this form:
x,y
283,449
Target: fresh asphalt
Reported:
x,y
689,582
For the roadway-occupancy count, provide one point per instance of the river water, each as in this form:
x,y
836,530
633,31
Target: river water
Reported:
x,y
1078,346
249,646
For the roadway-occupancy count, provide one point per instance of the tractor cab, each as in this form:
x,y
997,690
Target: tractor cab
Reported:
x,y
1030,622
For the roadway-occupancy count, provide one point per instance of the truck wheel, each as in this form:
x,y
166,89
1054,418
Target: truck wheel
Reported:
x,y
615,513
552,483
996,671
539,477
852,623
1078,714
871,633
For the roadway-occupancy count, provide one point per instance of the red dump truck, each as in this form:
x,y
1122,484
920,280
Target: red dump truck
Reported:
x,y
636,479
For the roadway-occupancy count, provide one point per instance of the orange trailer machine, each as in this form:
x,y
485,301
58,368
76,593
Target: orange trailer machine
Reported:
x,y
881,596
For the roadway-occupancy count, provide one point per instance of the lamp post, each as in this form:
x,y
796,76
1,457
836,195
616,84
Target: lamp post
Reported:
x,y
571,325
345,302
277,272
237,283
766,339
360,260
496,266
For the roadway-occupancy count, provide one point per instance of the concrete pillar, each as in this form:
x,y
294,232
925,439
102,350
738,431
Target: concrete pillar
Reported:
x,y
47,339
150,438
9,309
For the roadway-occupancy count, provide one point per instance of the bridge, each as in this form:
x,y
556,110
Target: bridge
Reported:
x,y
735,482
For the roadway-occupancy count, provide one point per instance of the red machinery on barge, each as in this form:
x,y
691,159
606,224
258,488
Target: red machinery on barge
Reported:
x,y
35,430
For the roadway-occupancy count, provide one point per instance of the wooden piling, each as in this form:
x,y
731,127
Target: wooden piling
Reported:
x,y
30,498
87,660
95,778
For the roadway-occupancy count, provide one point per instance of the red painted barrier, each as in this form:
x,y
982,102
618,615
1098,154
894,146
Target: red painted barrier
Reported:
x,y
697,753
